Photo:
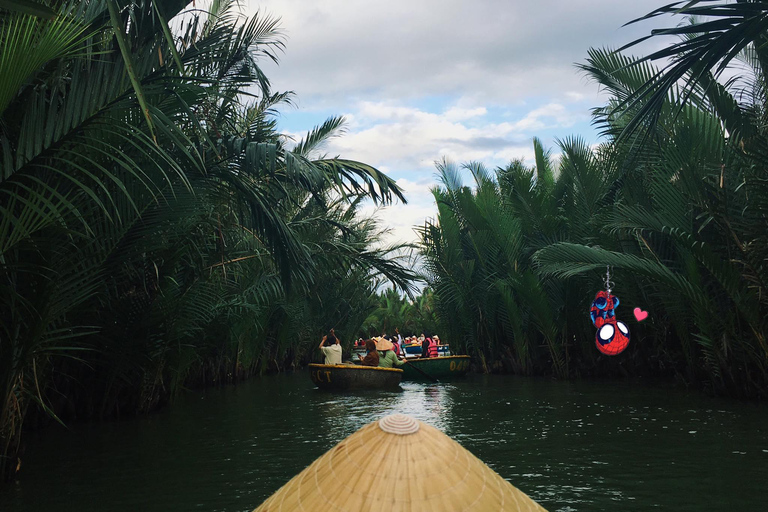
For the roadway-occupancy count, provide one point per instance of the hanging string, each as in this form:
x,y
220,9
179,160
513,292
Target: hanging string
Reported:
x,y
608,283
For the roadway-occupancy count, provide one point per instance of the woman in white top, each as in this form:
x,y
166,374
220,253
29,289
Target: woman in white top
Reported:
x,y
331,349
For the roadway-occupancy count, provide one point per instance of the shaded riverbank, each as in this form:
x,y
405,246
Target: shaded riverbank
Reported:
x,y
569,445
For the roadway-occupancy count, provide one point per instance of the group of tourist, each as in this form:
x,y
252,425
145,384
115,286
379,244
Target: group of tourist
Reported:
x,y
383,351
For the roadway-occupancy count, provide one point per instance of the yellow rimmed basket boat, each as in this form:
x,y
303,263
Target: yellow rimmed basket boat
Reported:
x,y
441,368
398,464
342,377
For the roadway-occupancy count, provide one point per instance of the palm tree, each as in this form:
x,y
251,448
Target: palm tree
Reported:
x,y
147,198
718,33
691,217
479,255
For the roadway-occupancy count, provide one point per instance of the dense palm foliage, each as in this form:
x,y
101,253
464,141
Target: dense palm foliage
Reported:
x,y
396,311
155,230
479,257
679,210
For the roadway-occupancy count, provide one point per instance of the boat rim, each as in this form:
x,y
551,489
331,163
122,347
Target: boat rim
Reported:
x,y
410,360
353,367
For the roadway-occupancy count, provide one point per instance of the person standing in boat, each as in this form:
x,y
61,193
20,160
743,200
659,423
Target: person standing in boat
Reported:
x,y
397,347
399,344
331,347
387,358
372,357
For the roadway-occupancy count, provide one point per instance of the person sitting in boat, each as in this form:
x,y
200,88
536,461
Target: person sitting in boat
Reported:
x,y
436,339
428,347
372,357
387,357
331,347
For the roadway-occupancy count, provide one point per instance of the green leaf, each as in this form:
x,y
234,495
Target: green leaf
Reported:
x,y
129,66
28,7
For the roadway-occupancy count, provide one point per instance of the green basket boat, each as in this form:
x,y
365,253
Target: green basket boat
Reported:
x,y
342,377
440,368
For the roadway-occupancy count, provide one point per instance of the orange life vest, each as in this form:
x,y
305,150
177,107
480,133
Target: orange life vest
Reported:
x,y
432,348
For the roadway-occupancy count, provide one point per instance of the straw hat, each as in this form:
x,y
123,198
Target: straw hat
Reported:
x,y
398,464
384,344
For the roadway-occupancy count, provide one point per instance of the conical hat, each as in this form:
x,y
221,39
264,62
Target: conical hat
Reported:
x,y
398,464
384,344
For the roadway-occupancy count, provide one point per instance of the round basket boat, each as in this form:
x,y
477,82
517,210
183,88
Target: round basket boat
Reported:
x,y
341,377
398,464
442,368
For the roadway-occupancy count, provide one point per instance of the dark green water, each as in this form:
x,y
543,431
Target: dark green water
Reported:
x,y
570,446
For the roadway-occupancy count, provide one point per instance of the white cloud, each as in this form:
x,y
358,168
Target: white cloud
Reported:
x,y
401,219
410,139
422,80
556,113
406,141
575,96
421,188
516,152
493,51
460,114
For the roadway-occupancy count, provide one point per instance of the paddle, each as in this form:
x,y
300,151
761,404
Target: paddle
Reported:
x,y
421,371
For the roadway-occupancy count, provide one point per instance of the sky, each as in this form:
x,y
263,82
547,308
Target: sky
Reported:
x,y
421,80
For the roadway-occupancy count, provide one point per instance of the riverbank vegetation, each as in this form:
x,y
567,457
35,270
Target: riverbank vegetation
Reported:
x,y
156,230
674,200
395,311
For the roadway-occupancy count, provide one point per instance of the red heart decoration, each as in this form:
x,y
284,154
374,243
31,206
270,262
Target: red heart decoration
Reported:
x,y
640,315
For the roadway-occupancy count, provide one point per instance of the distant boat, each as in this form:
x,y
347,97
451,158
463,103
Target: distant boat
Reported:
x,y
410,350
415,350
441,368
341,377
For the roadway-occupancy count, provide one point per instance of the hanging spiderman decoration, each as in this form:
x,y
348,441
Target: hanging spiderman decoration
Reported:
x,y
612,336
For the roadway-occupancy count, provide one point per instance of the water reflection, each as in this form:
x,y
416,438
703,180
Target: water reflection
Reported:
x,y
343,413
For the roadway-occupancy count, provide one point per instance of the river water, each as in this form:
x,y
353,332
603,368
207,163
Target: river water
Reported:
x,y
571,446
